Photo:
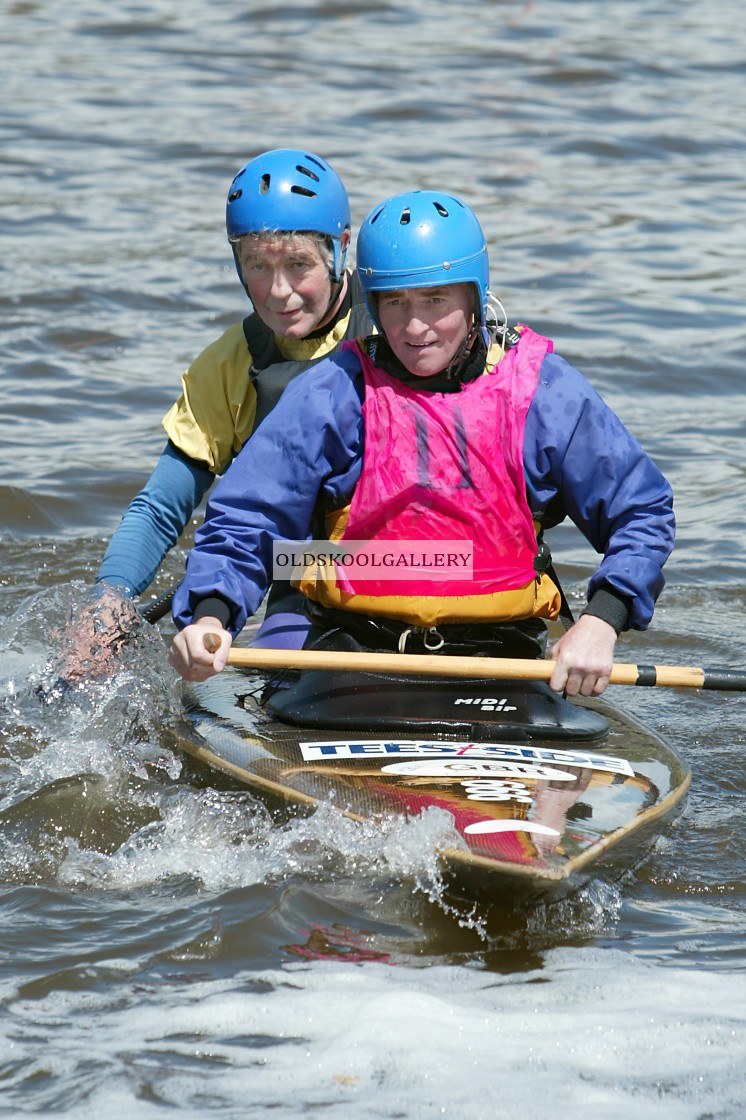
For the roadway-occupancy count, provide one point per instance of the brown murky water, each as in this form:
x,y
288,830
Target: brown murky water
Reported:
x,y
163,946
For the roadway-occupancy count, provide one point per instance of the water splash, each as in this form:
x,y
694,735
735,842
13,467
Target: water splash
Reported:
x,y
94,795
87,707
81,663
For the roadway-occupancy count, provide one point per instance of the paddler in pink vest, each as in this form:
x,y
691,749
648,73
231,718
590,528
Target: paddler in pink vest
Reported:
x,y
412,478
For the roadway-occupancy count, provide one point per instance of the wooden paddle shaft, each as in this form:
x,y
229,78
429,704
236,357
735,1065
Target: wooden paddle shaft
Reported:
x,y
669,676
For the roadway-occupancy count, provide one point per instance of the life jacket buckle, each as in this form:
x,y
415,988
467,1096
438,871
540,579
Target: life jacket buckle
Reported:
x,y
438,639
432,639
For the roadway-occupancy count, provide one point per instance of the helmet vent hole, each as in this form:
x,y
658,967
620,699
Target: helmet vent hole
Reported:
x,y
441,209
406,216
235,195
302,190
316,162
307,171
264,183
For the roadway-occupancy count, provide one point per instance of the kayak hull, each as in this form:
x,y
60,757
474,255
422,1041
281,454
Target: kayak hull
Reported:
x,y
543,792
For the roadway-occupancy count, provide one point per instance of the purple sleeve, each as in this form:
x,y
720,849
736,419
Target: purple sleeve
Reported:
x,y
307,451
581,462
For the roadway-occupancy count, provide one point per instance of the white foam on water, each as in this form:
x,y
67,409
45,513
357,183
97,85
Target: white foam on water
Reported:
x,y
227,839
593,1034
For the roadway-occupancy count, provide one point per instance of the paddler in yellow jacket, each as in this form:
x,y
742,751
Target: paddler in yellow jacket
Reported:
x,y
447,435
288,223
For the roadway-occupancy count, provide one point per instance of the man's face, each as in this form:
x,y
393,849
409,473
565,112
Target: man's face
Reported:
x,y
288,283
425,327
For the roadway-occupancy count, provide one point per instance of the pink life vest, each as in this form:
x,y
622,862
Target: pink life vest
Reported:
x,y
446,467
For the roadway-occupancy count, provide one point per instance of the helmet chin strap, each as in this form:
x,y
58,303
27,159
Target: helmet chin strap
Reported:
x,y
498,324
337,288
453,369
337,276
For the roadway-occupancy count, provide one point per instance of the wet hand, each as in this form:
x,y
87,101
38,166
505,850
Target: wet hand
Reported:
x,y
90,644
584,656
201,650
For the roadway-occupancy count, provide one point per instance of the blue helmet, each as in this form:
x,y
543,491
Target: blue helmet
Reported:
x,y
289,190
422,239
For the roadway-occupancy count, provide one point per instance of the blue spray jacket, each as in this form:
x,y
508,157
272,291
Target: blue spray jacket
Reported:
x,y
579,459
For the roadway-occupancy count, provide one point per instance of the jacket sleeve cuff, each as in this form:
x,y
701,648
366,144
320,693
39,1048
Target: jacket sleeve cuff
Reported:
x,y
609,606
213,607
